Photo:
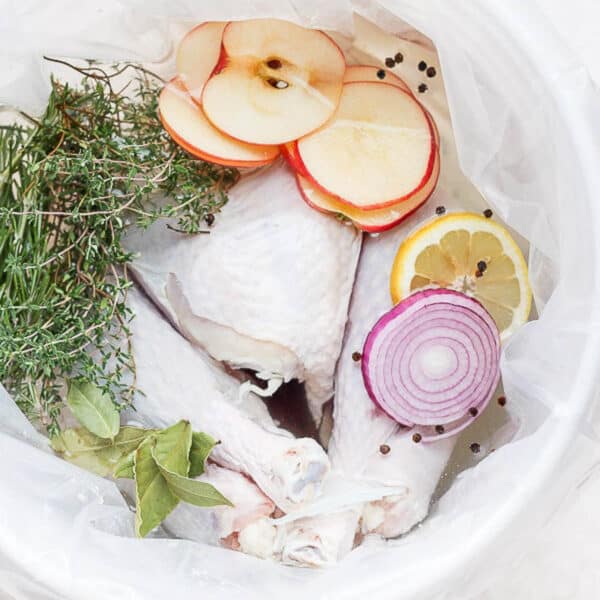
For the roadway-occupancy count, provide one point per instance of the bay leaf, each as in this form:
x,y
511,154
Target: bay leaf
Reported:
x,y
124,469
192,491
173,446
84,449
101,456
129,438
154,498
93,409
77,440
101,462
202,445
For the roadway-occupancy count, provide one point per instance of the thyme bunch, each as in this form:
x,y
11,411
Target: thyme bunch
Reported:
x,y
70,184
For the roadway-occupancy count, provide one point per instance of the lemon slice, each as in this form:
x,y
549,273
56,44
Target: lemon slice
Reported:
x,y
471,254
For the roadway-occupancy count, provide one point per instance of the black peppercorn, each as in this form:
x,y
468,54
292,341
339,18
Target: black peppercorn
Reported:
x,y
422,65
440,210
384,449
475,448
390,62
209,219
422,88
502,401
399,57
482,266
356,356
431,72
473,411
274,63
416,438
487,213
439,429
381,74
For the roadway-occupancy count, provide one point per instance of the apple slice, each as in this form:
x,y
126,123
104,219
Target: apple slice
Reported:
x,y
370,73
290,150
279,82
356,73
198,56
290,153
372,221
377,150
188,126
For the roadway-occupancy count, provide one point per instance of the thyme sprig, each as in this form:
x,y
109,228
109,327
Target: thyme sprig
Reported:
x,y
71,182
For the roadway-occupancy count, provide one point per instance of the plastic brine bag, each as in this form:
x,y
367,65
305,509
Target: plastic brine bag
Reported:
x,y
68,534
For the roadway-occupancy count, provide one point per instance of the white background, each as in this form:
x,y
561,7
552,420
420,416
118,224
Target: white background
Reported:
x,y
563,561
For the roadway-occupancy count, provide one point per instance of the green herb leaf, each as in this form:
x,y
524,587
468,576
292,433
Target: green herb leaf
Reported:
x,y
202,445
78,440
129,438
101,456
173,447
159,461
87,451
125,467
71,184
154,498
102,462
93,409
189,490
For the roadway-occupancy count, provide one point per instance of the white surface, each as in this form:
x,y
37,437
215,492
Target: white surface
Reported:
x,y
561,562
508,102
578,21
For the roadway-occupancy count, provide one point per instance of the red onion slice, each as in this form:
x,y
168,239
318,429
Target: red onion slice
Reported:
x,y
433,361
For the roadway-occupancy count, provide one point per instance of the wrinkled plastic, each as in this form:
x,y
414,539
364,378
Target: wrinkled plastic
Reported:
x,y
524,114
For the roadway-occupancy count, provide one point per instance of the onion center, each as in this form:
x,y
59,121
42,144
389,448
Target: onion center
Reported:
x,y
437,361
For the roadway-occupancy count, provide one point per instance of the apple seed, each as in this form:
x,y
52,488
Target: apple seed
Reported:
x,y
278,84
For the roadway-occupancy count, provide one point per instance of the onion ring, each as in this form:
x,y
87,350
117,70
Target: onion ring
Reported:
x,y
433,362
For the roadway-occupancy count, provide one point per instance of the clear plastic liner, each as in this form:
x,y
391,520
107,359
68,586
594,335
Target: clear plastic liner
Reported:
x,y
524,113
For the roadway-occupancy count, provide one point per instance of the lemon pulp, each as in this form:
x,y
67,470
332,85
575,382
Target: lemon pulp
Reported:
x,y
470,254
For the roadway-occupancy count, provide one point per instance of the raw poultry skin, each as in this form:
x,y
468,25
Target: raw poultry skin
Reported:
x,y
221,525
267,290
360,429
185,383
322,540
181,382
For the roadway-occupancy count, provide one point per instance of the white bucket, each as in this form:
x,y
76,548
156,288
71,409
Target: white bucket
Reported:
x,y
527,120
